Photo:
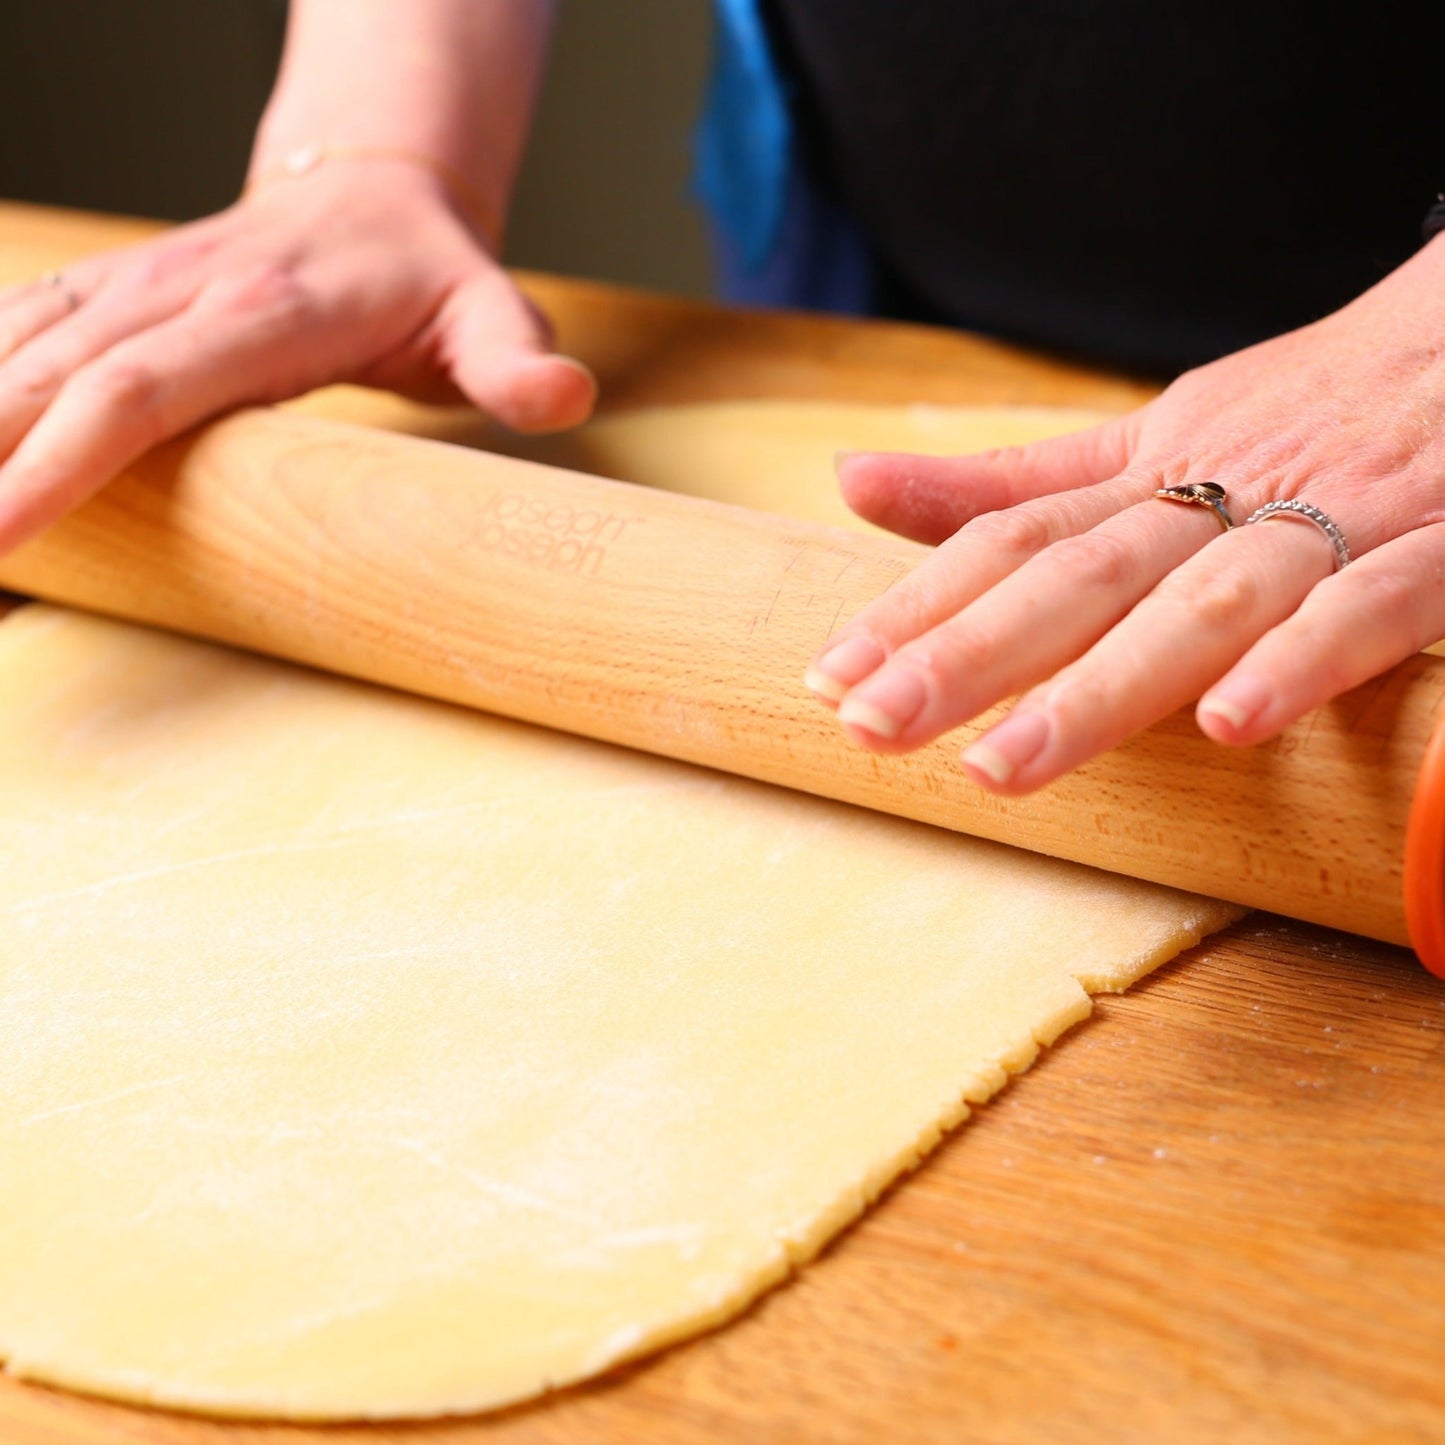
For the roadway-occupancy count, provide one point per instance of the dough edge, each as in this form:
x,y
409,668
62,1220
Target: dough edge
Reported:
x,y
791,1250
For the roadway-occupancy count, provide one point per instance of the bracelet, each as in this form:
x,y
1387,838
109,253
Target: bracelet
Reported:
x,y
306,158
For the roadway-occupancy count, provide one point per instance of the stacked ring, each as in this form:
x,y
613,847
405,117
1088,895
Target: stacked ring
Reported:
x,y
1308,513
1200,494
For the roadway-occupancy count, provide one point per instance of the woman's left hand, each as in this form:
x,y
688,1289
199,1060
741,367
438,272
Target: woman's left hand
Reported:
x,y
1061,579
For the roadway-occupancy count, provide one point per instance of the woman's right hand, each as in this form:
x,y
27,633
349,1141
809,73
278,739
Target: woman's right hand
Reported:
x,y
362,269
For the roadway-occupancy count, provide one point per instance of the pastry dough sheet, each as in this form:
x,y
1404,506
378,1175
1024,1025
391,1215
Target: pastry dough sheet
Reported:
x,y
369,1057
776,455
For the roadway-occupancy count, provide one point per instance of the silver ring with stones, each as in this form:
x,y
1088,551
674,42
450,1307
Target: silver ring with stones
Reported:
x,y
1308,513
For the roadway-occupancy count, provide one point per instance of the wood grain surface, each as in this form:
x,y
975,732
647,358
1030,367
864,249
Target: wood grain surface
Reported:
x,y
681,626
1216,1211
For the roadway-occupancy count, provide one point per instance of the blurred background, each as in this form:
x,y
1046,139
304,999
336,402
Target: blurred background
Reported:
x,y
146,108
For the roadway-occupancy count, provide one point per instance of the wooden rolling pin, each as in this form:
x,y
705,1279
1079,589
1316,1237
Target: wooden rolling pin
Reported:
x,y
683,627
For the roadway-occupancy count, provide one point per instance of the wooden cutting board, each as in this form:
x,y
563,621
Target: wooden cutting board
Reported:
x,y
1215,1211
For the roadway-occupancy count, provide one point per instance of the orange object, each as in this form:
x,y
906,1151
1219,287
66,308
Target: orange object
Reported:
x,y
1425,859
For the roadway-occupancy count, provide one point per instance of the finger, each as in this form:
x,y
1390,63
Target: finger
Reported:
x,y
497,348
1382,608
1033,622
217,354
26,311
962,569
81,279
1194,625
929,498
33,375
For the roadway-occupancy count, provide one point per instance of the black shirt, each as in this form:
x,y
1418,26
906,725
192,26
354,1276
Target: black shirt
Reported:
x,y
1144,183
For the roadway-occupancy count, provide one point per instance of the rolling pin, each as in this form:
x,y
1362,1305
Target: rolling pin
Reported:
x,y
683,627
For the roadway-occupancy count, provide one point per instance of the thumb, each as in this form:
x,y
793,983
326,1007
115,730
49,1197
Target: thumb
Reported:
x,y
498,349
928,498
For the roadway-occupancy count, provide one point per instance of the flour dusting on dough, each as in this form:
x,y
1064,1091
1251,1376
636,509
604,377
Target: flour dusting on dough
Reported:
x,y
370,1058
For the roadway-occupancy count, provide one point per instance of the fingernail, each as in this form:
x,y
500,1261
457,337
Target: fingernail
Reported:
x,y
578,366
886,704
844,666
1231,712
589,379
1002,751
1238,701
539,400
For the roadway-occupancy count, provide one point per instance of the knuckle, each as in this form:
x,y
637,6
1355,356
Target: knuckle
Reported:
x,y
155,265
1019,532
1078,691
950,654
1388,603
909,607
11,339
35,376
1307,645
1221,600
121,385
1171,470
1002,456
1093,559
269,288
141,272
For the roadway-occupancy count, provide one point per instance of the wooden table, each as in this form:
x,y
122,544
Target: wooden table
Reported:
x,y
1216,1211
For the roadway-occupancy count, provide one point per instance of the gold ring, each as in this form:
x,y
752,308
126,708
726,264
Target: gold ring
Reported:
x,y
1200,494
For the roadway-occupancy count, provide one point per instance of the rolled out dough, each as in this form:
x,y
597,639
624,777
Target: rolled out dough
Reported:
x,y
368,1057
776,455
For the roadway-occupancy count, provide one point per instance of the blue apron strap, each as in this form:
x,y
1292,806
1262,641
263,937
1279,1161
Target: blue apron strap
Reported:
x,y
778,238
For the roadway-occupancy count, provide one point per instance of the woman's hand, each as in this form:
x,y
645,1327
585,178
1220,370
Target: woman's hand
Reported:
x,y
361,270
1059,576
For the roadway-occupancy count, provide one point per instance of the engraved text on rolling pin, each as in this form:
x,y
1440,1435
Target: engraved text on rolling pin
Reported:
x,y
548,534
